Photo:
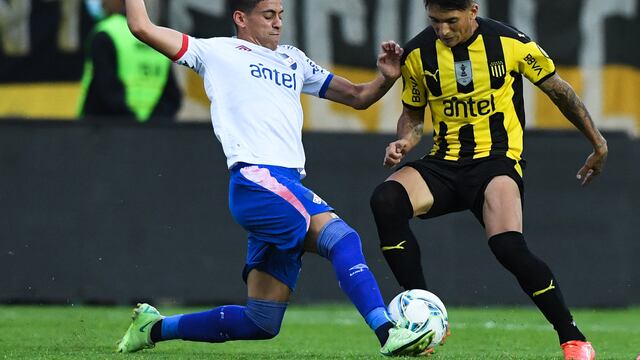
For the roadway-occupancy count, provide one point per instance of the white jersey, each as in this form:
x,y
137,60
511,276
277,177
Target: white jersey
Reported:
x,y
255,97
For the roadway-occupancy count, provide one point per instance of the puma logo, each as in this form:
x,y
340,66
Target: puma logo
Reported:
x,y
433,75
395,247
551,287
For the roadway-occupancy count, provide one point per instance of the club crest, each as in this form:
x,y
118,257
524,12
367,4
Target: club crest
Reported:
x,y
497,69
289,61
464,74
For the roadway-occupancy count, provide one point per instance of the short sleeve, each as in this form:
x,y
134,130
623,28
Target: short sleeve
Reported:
x,y
414,92
533,62
316,78
191,53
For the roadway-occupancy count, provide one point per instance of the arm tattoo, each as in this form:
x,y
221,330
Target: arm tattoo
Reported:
x,y
565,98
411,125
417,131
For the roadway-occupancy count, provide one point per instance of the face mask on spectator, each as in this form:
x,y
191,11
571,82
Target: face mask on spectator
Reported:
x,y
94,8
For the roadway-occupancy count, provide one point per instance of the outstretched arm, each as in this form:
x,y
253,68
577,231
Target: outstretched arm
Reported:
x,y
565,98
410,128
164,40
361,96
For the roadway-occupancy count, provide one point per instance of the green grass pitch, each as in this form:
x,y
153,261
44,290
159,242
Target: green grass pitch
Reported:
x,y
312,332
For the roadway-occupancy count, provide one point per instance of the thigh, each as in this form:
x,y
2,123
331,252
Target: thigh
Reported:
x,y
419,193
431,187
498,179
263,286
277,210
318,222
264,257
502,208
273,206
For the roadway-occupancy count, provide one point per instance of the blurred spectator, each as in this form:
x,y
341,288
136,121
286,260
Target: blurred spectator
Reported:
x,y
124,79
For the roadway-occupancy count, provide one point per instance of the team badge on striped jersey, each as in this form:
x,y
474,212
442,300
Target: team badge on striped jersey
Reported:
x,y
464,74
497,68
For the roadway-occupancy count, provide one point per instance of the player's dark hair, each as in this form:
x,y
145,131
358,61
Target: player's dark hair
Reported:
x,y
241,5
246,6
449,4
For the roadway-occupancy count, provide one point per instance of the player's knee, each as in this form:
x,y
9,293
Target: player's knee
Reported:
x,y
267,316
260,334
507,243
390,199
510,249
332,233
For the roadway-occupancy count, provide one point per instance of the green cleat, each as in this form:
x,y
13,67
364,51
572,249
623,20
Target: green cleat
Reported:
x,y
138,335
404,342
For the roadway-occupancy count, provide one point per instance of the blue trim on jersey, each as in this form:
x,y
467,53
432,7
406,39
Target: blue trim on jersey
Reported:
x,y
325,86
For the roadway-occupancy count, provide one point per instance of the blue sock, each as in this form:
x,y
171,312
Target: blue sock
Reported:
x,y
341,245
259,320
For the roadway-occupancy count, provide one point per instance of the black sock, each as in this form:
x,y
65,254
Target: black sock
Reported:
x,y
392,211
537,281
156,332
382,332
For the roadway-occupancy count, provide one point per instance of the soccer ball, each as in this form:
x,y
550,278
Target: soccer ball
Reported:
x,y
420,311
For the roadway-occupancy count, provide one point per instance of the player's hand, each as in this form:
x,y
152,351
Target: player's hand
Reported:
x,y
389,60
593,166
395,153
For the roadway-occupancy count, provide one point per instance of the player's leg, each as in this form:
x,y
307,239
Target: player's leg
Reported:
x,y
263,203
259,319
402,196
333,239
330,237
502,215
258,204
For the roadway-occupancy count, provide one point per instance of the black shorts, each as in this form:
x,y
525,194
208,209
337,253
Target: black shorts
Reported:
x,y
457,187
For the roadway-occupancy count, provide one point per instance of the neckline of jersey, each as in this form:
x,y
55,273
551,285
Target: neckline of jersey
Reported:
x,y
257,47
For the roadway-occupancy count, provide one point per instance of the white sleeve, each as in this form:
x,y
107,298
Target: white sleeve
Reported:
x,y
316,78
192,54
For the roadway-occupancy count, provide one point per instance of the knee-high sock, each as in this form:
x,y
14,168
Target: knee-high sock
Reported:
x,y
259,320
341,245
392,211
537,281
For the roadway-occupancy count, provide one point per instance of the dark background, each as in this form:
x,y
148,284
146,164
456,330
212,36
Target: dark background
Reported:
x,y
92,214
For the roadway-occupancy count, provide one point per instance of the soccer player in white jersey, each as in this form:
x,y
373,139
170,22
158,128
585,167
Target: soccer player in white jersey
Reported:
x,y
254,85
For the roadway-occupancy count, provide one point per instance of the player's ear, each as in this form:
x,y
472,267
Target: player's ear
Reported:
x,y
240,19
475,8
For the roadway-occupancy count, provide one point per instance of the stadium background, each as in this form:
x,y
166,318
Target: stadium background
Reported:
x,y
90,213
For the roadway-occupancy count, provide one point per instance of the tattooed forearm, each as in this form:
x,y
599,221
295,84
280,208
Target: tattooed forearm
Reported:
x,y
418,130
566,99
411,126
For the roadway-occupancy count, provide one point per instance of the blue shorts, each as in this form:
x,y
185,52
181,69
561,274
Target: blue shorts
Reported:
x,y
273,206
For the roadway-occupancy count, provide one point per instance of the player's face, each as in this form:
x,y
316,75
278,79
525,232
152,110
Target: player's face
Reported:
x,y
264,23
453,26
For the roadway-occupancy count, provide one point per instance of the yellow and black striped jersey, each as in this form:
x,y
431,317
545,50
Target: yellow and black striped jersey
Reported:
x,y
474,89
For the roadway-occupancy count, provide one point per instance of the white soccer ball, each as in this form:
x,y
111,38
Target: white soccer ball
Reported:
x,y
420,311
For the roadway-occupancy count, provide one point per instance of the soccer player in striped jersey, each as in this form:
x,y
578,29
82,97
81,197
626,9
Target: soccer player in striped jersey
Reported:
x,y
469,71
254,85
